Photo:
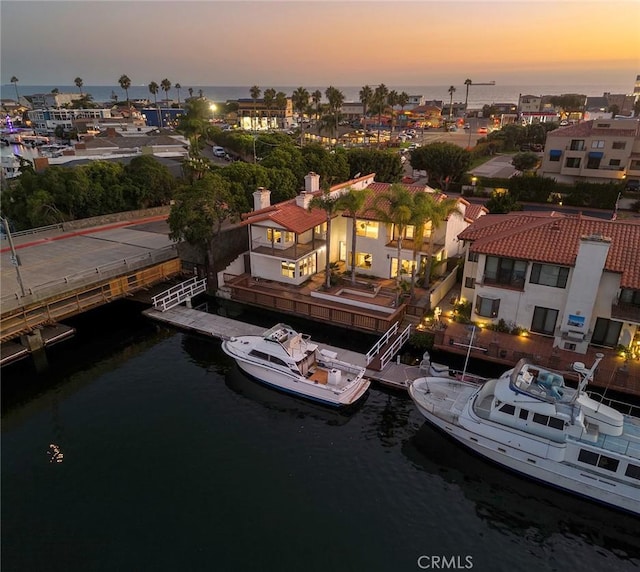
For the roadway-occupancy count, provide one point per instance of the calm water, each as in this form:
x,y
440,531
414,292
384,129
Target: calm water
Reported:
x,y
479,95
173,460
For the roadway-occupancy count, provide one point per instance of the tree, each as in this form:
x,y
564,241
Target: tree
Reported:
x,y
443,162
300,101
14,81
198,214
153,88
403,100
392,100
379,104
269,99
125,83
330,206
193,123
79,83
387,166
501,203
190,90
152,182
165,84
178,88
316,97
352,202
366,97
281,105
451,91
614,109
255,92
394,207
335,98
525,161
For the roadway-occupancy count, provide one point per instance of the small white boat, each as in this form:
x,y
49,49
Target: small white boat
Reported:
x,y
529,421
289,361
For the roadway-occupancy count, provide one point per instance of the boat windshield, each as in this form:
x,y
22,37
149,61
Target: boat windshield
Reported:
x,y
537,382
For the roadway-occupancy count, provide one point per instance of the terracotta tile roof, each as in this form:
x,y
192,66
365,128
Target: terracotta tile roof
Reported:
x,y
587,129
474,212
375,189
554,238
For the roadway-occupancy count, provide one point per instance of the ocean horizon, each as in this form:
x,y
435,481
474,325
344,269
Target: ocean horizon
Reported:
x,y
479,95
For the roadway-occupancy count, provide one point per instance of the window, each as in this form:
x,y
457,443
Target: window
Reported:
x,y
364,260
614,162
619,145
469,282
473,257
606,332
577,145
288,269
544,320
260,355
588,457
405,269
524,413
593,161
487,307
597,144
549,275
505,271
633,471
367,228
278,236
608,463
572,163
508,409
629,296
541,419
556,423
308,265
602,461
278,361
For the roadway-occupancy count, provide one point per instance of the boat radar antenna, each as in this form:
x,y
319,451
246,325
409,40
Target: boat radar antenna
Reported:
x,y
586,375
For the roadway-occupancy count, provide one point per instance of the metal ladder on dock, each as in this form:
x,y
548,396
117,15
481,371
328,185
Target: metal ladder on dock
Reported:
x,y
394,347
175,295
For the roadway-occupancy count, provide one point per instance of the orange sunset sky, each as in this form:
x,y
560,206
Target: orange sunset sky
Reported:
x,y
317,43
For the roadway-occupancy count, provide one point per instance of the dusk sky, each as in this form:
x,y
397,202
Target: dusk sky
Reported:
x,y
320,43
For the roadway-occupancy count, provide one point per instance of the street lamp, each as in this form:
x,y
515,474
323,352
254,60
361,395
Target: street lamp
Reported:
x,y
213,109
15,259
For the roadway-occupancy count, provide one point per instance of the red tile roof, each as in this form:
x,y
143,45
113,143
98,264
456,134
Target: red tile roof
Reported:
x,y
555,238
587,129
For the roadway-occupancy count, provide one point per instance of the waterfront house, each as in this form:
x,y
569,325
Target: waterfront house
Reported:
x,y
573,279
600,151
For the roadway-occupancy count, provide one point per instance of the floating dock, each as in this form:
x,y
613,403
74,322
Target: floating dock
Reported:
x,y
395,375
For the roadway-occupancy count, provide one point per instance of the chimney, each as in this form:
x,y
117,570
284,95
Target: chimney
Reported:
x,y
312,182
304,198
261,199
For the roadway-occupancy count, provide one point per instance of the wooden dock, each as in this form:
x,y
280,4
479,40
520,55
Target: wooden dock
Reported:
x,y
393,375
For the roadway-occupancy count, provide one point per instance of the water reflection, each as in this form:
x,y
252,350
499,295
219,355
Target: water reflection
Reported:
x,y
285,403
518,506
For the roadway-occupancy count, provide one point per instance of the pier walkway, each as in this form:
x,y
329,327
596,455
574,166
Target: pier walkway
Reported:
x,y
211,325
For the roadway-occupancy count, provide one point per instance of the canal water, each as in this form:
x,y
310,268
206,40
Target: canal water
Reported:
x,y
141,448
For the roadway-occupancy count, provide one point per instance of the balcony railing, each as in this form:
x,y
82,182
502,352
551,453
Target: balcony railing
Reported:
x,y
503,282
625,311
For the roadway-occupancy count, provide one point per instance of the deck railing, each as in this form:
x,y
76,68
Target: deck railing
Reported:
x,y
179,293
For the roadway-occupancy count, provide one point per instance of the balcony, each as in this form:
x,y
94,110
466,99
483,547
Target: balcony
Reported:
x,y
625,311
511,282
294,252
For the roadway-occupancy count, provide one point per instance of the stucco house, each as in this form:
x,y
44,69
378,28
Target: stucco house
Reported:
x,y
573,278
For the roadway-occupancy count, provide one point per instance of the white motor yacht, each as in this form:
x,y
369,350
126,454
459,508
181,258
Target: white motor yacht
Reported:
x,y
531,422
289,361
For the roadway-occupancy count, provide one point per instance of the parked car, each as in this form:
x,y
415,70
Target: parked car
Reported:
x,y
218,151
483,130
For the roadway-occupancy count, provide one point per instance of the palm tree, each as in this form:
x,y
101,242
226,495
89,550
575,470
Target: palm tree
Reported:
x,y
190,90
79,83
281,105
165,84
335,98
330,206
403,99
125,83
366,96
395,208
451,91
153,88
380,103
352,202
269,99
178,88
300,101
316,97
14,81
392,99
467,82
255,92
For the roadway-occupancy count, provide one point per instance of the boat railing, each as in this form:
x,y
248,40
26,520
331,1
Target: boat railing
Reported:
x,y
621,406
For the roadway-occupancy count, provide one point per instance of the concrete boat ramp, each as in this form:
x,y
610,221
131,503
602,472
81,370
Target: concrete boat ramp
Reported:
x,y
393,374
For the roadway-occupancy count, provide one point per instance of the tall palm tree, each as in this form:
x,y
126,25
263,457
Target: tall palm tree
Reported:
x,y
380,103
330,206
255,92
352,202
316,97
125,83
366,97
153,88
178,88
300,101
403,100
335,98
394,207
165,84
14,81
79,83
269,98
467,82
281,105
392,100
190,90
451,91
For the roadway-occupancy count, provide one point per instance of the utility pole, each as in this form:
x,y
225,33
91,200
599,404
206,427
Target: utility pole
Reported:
x,y
15,260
